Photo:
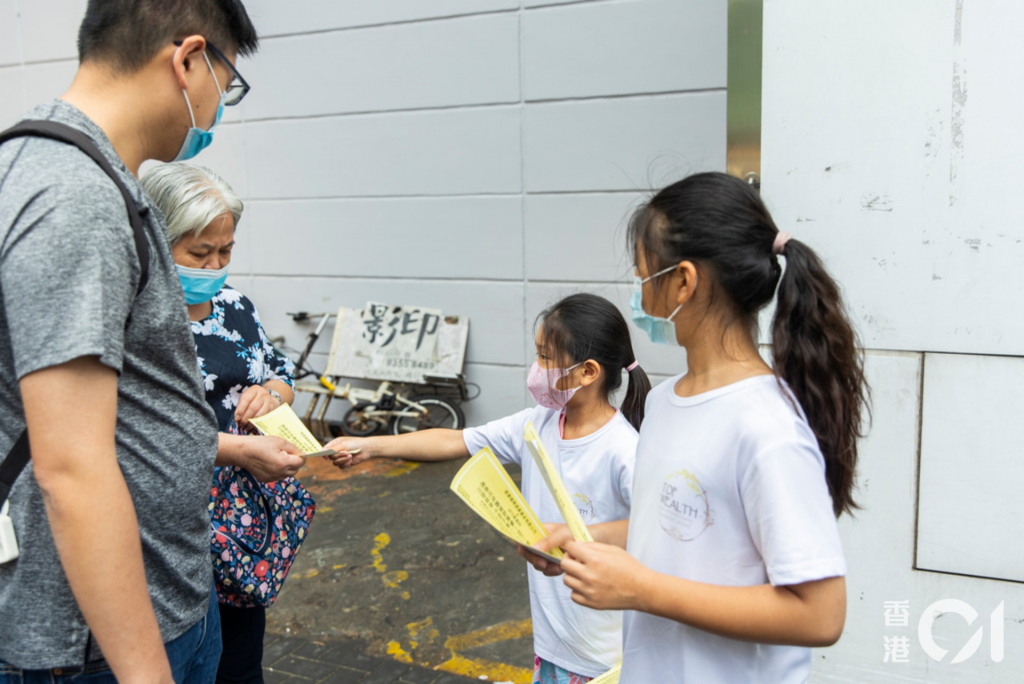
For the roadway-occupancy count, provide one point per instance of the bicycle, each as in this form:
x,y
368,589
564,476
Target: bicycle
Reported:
x,y
373,410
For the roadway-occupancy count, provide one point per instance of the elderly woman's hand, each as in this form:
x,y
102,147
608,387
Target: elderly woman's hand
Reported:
x,y
271,458
255,401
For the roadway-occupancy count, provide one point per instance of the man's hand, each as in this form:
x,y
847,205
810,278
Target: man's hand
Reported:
x,y
255,401
270,459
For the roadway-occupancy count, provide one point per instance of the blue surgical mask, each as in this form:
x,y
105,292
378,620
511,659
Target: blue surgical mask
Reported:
x,y
660,330
197,140
201,284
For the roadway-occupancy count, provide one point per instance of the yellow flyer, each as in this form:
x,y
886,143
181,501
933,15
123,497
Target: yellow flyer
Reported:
x,y
486,487
609,677
282,422
562,499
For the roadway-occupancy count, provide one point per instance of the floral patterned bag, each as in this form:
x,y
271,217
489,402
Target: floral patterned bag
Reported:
x,y
255,531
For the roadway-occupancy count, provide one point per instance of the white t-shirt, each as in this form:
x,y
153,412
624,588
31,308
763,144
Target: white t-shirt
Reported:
x,y
598,472
730,490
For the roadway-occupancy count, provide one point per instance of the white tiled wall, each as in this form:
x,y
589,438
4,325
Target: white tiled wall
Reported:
x,y
480,156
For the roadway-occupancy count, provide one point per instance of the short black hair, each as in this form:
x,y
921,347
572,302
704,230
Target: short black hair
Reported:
x,y
128,33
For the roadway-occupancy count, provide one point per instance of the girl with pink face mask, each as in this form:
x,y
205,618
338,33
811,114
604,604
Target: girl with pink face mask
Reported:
x,y
583,347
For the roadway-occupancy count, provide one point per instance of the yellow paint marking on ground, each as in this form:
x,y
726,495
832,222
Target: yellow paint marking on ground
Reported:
x,y
423,627
393,579
478,668
402,469
339,566
396,652
506,631
381,542
325,509
311,573
390,579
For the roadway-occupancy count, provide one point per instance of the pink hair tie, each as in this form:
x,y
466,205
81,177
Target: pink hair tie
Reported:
x,y
779,246
633,366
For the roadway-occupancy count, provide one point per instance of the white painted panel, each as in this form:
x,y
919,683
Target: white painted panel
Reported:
x,y
578,237
465,237
416,153
655,359
495,309
622,144
619,48
972,443
878,543
226,156
48,81
10,47
12,95
273,17
502,392
473,60
49,28
887,145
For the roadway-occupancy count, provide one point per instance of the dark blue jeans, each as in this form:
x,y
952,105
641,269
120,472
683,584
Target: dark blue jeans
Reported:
x,y
194,657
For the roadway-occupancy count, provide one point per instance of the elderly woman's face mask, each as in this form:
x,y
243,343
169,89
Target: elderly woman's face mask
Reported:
x,y
202,260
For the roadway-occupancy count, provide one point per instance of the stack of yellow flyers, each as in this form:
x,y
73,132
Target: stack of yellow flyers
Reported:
x,y
562,499
282,422
486,487
609,677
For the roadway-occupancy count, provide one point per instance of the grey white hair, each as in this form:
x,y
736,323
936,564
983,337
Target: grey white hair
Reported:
x,y
191,197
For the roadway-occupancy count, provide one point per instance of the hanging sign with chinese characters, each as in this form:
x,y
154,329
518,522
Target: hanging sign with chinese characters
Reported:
x,y
401,338
398,343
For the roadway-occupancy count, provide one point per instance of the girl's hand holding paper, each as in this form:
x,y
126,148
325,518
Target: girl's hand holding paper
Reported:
x,y
558,536
604,577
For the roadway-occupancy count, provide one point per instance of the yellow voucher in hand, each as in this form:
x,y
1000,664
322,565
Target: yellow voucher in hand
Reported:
x,y
609,677
562,499
486,487
282,422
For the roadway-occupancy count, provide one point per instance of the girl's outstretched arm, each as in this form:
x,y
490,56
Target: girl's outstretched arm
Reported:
x,y
605,577
436,444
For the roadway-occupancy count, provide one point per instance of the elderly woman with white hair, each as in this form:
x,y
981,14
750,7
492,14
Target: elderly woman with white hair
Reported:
x,y
245,377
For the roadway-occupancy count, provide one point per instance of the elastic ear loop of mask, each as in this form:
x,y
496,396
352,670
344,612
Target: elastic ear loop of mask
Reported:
x,y
216,82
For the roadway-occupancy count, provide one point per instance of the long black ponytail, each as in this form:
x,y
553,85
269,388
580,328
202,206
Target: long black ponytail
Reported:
x,y
720,223
585,326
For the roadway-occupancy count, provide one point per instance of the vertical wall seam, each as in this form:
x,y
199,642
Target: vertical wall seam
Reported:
x,y
522,187
917,453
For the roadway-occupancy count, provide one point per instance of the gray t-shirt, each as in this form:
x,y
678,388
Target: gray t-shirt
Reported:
x,y
68,277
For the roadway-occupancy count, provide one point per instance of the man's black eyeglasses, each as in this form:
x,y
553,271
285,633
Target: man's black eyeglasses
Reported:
x,y
238,88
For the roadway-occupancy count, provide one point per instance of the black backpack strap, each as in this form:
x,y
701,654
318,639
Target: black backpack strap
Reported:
x,y
71,136
19,455
12,466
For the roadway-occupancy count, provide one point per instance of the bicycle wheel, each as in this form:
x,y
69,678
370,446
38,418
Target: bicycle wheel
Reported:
x,y
357,424
441,413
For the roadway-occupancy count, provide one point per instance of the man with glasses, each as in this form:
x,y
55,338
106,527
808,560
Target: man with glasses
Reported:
x,y
112,575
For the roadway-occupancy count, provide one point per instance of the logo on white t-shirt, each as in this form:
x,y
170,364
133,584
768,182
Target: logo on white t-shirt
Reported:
x,y
684,511
585,506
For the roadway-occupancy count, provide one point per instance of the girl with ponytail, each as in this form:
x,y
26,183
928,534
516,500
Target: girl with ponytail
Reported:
x,y
734,567
583,348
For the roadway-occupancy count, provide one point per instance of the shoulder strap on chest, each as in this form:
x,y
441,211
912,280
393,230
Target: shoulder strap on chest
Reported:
x,y
19,455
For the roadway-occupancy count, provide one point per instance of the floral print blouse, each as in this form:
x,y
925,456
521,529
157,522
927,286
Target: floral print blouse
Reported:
x,y
234,353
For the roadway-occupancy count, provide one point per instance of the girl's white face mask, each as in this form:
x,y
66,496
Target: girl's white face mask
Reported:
x,y
542,383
